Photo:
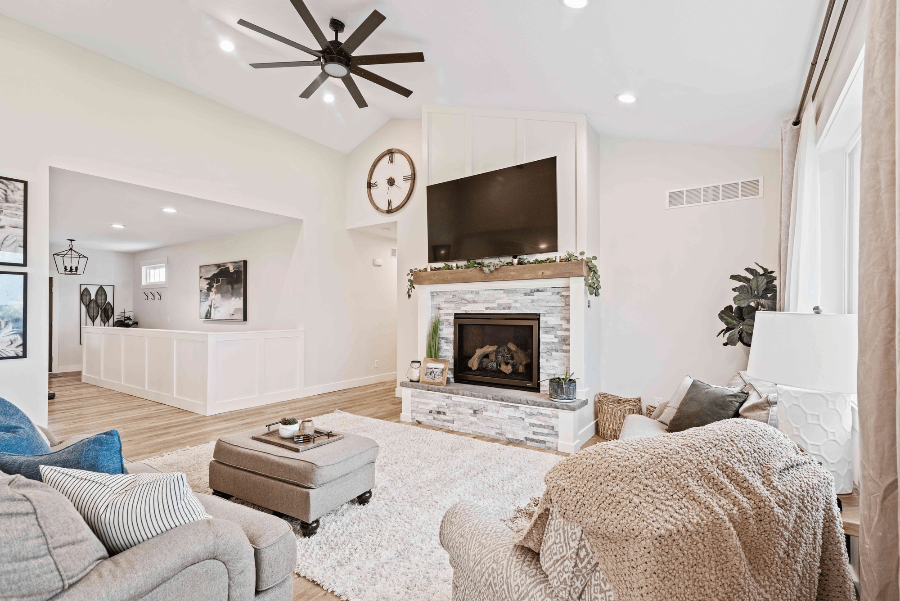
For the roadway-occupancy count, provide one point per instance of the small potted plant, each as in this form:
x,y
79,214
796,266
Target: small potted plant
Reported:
x,y
562,388
287,427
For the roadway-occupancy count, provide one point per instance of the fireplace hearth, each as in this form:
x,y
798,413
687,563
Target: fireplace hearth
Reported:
x,y
497,349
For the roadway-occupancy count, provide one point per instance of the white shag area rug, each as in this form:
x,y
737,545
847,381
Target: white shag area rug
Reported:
x,y
389,549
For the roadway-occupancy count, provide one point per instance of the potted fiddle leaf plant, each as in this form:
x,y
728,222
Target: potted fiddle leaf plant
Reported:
x,y
562,388
756,292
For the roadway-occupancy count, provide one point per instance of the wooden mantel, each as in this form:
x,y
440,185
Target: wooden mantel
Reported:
x,y
541,271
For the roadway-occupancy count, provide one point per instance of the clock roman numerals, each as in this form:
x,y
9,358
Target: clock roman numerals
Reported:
x,y
390,206
372,185
391,158
408,178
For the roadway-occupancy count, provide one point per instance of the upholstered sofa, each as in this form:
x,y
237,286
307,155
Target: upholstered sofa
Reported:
x,y
489,566
240,554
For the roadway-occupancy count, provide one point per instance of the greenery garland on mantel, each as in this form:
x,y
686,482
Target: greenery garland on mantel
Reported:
x,y
592,281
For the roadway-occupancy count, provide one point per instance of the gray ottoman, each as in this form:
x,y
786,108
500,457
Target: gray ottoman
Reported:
x,y
303,485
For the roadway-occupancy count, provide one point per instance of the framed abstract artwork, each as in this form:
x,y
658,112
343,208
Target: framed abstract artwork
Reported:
x,y
13,221
13,314
223,291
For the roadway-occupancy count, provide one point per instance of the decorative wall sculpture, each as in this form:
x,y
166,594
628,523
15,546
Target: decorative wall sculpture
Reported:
x,y
98,306
223,291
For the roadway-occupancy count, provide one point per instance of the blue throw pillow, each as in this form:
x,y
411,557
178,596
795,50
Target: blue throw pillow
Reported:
x,y
17,434
100,453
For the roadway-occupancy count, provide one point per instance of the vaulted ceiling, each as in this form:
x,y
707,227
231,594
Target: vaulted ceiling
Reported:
x,y
703,71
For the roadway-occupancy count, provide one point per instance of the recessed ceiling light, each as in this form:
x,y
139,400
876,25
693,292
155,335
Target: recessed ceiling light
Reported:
x,y
170,210
226,45
328,98
118,226
575,3
626,98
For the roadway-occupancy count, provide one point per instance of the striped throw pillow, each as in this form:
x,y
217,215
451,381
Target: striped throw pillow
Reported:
x,y
124,510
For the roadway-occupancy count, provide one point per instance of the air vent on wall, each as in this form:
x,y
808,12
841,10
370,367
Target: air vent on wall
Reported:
x,y
716,193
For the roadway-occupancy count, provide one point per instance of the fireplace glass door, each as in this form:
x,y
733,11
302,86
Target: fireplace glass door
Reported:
x,y
497,349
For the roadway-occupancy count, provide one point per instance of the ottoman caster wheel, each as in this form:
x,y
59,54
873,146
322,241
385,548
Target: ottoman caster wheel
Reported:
x,y
308,530
364,498
218,493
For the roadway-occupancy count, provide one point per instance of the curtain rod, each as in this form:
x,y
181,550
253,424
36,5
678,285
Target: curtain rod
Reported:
x,y
812,66
830,47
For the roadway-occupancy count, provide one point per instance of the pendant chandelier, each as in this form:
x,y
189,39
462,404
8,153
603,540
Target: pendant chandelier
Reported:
x,y
70,261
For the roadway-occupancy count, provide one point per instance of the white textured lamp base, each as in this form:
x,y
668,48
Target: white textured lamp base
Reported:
x,y
820,422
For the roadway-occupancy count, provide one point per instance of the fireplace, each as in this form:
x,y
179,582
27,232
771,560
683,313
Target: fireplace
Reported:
x,y
497,349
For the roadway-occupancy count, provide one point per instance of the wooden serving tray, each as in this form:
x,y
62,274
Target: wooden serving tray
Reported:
x,y
272,437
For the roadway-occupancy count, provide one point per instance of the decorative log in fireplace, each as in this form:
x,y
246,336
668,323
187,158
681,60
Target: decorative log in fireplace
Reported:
x,y
497,349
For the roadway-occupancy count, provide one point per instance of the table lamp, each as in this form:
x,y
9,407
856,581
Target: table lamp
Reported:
x,y
812,358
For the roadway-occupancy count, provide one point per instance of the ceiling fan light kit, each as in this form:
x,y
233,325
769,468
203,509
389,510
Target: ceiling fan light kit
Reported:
x,y
335,58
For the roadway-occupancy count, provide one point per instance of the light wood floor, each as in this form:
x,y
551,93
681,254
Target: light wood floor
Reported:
x,y
148,429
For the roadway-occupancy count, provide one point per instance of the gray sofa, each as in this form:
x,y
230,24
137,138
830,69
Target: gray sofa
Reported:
x,y
240,554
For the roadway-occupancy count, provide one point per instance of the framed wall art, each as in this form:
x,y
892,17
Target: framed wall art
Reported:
x,y
13,221
223,291
97,306
13,314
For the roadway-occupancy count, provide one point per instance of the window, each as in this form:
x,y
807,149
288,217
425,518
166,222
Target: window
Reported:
x,y
153,273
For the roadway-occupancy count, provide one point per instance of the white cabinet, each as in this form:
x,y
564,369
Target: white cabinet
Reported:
x,y
459,142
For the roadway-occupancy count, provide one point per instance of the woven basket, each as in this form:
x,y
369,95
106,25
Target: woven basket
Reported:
x,y
611,412
649,410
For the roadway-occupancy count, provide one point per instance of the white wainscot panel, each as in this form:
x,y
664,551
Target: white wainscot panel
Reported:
x,y
91,350
236,365
447,148
161,365
203,372
494,143
283,365
190,369
112,357
134,361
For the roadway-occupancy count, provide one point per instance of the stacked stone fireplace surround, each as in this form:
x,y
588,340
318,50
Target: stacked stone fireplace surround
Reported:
x,y
525,417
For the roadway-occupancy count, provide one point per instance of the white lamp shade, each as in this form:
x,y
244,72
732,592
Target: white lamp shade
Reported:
x,y
816,352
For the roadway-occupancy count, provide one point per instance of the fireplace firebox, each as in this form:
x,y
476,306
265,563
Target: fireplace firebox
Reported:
x,y
497,349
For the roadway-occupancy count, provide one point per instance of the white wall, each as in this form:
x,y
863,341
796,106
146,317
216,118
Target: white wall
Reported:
x,y
105,268
274,288
665,272
67,107
412,238
274,284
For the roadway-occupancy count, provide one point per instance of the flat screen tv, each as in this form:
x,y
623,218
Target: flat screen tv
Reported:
x,y
508,212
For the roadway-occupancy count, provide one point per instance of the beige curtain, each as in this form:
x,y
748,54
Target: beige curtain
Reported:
x,y
879,326
790,138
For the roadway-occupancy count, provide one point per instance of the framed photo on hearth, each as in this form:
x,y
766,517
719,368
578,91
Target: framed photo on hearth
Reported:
x,y
434,371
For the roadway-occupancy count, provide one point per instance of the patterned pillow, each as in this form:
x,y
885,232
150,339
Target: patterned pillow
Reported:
x,y
124,510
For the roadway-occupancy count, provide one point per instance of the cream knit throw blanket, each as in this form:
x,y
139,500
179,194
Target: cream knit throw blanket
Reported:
x,y
730,511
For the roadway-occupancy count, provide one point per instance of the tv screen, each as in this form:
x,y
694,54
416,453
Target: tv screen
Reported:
x,y
500,213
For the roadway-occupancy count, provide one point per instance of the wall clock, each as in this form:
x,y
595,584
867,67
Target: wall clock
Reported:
x,y
392,179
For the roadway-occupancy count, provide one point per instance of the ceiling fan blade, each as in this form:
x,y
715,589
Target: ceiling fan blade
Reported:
x,y
386,59
362,32
314,28
285,64
277,37
386,83
354,91
311,88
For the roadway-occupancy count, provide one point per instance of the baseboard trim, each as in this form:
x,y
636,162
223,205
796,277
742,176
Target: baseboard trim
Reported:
x,y
62,369
345,384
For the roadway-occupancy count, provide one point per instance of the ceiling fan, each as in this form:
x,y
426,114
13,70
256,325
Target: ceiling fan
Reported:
x,y
335,58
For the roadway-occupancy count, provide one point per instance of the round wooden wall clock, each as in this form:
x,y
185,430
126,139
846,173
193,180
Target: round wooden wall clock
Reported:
x,y
392,179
